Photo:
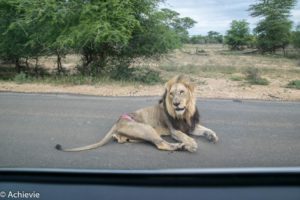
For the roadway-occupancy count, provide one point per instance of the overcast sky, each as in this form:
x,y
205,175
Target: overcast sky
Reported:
x,y
217,15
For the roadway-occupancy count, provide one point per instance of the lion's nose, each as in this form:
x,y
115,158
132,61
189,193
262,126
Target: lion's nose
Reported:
x,y
176,104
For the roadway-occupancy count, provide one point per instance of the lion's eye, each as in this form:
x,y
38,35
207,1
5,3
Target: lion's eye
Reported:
x,y
181,91
171,93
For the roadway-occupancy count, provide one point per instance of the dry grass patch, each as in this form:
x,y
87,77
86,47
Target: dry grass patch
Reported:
x,y
218,73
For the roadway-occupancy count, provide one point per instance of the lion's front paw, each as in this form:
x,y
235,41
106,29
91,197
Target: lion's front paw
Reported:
x,y
211,136
191,147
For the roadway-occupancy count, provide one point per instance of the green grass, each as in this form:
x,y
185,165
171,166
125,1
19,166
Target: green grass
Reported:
x,y
21,78
7,73
218,69
294,84
188,69
60,80
78,80
236,78
139,76
194,69
260,81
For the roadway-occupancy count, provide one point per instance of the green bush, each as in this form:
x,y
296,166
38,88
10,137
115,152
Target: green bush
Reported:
x,y
73,80
236,78
294,84
7,73
120,71
21,78
146,75
253,76
124,72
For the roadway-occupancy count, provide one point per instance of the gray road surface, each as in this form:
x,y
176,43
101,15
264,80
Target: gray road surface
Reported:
x,y
252,133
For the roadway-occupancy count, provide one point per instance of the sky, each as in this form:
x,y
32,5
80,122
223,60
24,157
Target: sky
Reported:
x,y
216,15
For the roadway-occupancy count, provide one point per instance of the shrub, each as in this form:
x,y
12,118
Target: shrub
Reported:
x,y
146,75
236,78
294,84
21,78
122,71
253,76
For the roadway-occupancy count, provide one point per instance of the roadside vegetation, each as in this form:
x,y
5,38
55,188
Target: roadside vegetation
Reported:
x,y
253,76
294,84
134,42
108,36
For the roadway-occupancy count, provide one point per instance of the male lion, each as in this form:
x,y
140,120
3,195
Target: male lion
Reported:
x,y
176,114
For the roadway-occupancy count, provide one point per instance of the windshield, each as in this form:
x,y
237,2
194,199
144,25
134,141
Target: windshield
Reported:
x,y
149,84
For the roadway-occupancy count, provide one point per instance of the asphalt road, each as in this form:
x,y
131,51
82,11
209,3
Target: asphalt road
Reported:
x,y
252,133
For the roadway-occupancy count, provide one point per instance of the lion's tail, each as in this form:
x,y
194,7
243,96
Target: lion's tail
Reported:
x,y
102,142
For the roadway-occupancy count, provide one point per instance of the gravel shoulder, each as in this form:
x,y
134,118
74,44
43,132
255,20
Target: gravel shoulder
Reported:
x,y
213,88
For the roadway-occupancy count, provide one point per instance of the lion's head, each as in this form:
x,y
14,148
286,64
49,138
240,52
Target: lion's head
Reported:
x,y
179,102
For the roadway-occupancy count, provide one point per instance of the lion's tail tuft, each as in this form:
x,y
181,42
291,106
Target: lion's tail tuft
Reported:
x,y
58,147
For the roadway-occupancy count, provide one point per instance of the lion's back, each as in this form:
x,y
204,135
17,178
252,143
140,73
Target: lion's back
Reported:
x,y
152,116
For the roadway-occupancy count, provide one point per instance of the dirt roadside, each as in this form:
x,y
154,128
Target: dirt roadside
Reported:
x,y
216,74
213,88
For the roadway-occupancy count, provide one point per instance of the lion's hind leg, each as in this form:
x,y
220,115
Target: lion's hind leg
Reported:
x,y
123,139
140,131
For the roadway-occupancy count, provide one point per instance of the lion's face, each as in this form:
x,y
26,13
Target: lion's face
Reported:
x,y
180,99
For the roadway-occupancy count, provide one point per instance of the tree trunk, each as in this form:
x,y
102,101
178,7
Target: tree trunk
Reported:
x,y
59,65
27,64
87,60
36,71
284,51
17,65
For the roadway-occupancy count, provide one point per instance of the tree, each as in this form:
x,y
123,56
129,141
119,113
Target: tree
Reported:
x,y
13,37
238,35
296,37
30,29
274,29
99,31
214,37
47,21
115,32
179,25
156,35
197,39
108,34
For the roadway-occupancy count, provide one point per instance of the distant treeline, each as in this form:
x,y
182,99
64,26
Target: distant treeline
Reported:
x,y
273,31
212,37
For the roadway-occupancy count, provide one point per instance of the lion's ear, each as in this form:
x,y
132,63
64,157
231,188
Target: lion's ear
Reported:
x,y
171,82
191,86
167,87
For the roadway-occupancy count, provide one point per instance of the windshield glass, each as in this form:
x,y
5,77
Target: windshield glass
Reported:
x,y
149,84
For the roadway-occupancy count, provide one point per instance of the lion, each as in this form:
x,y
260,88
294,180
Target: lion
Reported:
x,y
175,115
